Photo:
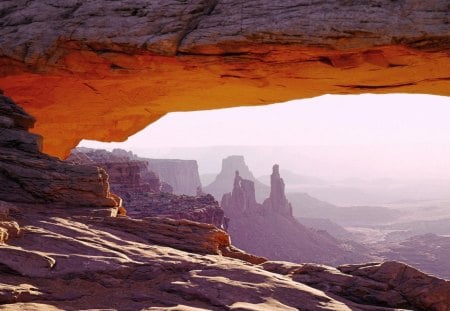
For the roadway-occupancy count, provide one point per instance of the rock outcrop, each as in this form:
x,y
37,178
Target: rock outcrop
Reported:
x,y
223,182
142,192
127,174
70,260
391,284
106,69
204,209
181,176
277,200
29,176
271,231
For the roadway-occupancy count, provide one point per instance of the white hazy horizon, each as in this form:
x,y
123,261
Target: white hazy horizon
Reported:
x,y
352,136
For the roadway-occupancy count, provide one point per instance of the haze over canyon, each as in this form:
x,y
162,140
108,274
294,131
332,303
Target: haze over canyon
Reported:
x,y
318,202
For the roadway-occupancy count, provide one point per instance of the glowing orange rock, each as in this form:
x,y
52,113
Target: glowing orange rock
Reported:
x,y
106,71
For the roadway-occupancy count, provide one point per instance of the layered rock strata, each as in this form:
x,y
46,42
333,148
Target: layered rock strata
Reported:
x,y
29,176
81,258
179,175
106,69
391,284
142,192
182,175
71,260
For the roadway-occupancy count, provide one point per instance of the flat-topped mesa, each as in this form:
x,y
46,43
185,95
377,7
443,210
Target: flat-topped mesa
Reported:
x,y
277,200
29,176
226,178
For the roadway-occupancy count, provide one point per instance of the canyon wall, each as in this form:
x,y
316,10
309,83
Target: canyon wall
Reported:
x,y
29,176
104,70
144,194
182,175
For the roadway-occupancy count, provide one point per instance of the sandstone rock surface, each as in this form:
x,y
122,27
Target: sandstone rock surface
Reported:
x,y
142,193
391,284
125,63
181,175
27,175
72,260
81,258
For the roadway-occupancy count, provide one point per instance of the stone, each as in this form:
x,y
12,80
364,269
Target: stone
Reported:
x,y
104,70
29,176
75,257
391,284
68,259
277,200
223,182
132,178
269,230
181,175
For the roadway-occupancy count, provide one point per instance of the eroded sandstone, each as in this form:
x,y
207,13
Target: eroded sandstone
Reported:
x,y
104,69
27,175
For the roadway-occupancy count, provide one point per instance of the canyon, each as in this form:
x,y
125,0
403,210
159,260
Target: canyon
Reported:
x,y
69,249
270,229
106,69
138,182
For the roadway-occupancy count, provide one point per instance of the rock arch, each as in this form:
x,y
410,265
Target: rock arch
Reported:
x,y
105,69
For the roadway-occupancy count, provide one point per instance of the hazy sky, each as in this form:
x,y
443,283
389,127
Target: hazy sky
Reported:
x,y
325,120
352,121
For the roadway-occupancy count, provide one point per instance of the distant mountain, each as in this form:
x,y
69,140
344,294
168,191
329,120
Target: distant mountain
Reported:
x,y
428,252
406,230
291,179
327,225
206,179
306,206
223,182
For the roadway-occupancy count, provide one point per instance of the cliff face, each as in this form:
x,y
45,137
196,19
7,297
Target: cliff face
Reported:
x,y
270,230
182,175
125,174
29,176
105,69
224,180
144,195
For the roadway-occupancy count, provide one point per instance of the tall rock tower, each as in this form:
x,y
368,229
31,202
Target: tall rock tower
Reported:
x,y
277,200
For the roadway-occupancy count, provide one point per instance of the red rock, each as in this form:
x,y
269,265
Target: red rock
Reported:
x,y
29,176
